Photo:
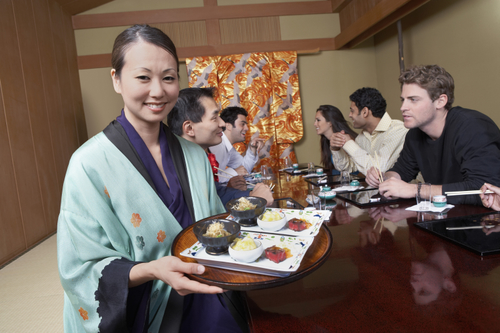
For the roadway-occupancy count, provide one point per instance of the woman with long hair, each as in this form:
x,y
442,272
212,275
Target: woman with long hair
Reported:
x,y
330,120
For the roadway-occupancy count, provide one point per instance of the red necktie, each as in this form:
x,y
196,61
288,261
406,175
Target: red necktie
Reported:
x,y
214,164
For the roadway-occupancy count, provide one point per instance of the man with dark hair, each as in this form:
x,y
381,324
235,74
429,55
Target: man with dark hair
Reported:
x,y
381,136
454,148
236,128
195,118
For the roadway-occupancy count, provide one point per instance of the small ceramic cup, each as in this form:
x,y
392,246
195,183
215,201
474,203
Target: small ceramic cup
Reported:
x,y
295,166
319,171
439,200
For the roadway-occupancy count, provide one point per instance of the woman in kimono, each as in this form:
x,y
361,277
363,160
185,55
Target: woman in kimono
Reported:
x,y
128,192
330,120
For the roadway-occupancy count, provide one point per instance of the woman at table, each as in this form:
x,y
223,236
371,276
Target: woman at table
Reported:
x,y
128,192
330,120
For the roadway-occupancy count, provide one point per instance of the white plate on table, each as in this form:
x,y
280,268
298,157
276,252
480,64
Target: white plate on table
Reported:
x,y
314,217
298,247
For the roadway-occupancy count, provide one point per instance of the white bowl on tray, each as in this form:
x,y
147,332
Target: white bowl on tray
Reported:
x,y
249,255
272,225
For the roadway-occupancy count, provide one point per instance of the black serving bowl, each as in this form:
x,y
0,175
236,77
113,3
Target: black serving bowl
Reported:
x,y
247,217
219,245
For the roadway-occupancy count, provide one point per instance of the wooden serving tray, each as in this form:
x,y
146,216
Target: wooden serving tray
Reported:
x,y
316,255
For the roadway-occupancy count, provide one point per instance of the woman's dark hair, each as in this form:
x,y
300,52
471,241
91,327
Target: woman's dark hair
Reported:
x,y
335,117
134,35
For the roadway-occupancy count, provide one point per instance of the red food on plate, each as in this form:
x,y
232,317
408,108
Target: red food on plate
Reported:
x,y
276,254
298,224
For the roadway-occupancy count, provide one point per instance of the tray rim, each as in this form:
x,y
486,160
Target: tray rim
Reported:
x,y
271,281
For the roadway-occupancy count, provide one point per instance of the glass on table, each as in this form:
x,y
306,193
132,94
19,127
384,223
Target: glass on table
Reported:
x,y
311,168
287,163
423,196
345,178
266,175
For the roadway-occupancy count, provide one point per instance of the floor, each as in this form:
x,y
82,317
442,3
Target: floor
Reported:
x,y
31,295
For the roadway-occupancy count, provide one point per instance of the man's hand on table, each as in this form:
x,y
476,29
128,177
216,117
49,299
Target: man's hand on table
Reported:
x,y
237,182
372,177
396,188
490,200
263,191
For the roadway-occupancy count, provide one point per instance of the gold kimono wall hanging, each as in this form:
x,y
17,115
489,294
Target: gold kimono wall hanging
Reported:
x,y
264,84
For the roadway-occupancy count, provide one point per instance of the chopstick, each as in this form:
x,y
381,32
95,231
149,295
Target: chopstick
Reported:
x,y
471,227
272,186
452,193
377,167
218,174
227,173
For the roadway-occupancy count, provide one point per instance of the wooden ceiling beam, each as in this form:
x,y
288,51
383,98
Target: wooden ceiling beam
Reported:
x,y
382,24
338,5
364,23
74,7
302,45
200,13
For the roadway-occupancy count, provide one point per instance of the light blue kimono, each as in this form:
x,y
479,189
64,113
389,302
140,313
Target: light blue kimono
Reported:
x,y
109,211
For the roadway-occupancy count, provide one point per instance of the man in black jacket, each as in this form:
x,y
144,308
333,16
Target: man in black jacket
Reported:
x,y
455,149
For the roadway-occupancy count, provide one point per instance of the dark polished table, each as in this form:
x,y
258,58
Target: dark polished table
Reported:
x,y
385,276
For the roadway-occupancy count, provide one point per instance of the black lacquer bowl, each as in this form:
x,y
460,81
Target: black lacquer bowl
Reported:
x,y
247,217
218,245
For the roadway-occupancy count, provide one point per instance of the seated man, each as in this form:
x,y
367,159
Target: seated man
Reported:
x,y
229,159
455,149
195,117
381,136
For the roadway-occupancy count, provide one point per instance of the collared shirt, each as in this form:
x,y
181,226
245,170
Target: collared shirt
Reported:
x,y
387,141
229,159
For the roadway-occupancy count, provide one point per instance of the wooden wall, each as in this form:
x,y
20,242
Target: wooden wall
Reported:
x,y
41,119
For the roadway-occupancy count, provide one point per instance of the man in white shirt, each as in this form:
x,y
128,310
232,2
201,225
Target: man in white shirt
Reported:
x,y
381,136
236,128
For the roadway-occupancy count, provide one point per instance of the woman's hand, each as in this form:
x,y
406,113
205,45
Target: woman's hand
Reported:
x,y
490,200
171,270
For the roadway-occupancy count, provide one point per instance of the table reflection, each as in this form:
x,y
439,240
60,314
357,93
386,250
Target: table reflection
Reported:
x,y
384,275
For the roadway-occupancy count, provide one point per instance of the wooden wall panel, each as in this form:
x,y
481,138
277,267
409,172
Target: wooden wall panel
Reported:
x,y
41,119
62,77
45,187
354,10
184,34
48,67
74,83
21,138
12,240
257,29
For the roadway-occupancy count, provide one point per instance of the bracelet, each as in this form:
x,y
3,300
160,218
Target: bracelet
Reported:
x,y
419,186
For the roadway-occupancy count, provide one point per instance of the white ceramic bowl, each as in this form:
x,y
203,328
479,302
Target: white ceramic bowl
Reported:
x,y
272,225
247,256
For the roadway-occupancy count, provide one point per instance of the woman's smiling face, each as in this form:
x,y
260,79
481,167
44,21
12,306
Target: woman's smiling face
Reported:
x,y
322,126
148,83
